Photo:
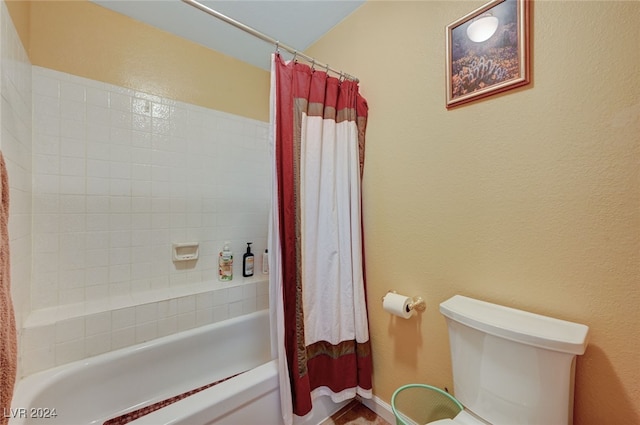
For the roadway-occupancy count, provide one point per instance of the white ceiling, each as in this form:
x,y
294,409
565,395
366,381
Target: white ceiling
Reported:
x,y
296,23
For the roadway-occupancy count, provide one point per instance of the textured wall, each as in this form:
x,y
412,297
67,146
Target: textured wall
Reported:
x,y
83,39
529,199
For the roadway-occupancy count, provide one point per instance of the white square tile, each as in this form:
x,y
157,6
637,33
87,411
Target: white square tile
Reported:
x,y
262,302
72,242
236,309
120,239
249,290
98,186
72,296
120,135
72,279
69,351
141,106
235,293
249,305
124,337
204,300
45,203
204,316
140,123
141,188
167,326
46,86
220,313
45,242
73,204
97,204
45,262
97,344
40,337
186,321
97,97
139,284
72,110
72,223
119,273
97,222
146,331
70,329
97,149
120,204
46,184
97,240
119,102
100,289
72,129
220,297
186,304
121,119
167,308
99,323
141,271
70,91
120,222
46,164
146,313
98,168
123,318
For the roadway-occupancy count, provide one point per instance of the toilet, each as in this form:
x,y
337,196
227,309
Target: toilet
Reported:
x,y
511,367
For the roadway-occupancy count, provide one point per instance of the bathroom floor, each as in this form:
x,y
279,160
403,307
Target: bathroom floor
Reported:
x,y
355,413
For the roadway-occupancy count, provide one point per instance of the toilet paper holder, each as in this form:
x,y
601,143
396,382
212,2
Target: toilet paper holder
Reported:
x,y
417,303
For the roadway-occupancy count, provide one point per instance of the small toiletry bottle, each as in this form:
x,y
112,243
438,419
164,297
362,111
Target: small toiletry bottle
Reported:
x,y
247,262
265,262
225,264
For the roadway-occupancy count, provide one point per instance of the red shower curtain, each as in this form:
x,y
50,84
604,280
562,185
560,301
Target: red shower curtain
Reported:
x,y
319,133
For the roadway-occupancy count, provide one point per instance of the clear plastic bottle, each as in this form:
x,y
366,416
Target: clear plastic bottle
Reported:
x,y
225,263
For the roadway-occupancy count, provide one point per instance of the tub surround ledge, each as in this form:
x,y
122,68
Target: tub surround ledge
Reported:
x,y
76,331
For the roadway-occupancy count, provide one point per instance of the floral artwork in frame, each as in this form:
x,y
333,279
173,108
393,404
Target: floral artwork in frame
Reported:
x,y
488,51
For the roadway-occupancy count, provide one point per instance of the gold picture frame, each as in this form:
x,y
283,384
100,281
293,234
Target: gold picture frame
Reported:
x,y
488,51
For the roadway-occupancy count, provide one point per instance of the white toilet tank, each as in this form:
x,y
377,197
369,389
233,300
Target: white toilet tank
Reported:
x,y
512,367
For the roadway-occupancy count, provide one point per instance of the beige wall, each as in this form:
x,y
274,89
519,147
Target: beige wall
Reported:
x,y
83,39
530,199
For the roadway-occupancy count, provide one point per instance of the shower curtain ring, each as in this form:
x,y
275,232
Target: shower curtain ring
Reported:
x,y
313,64
295,55
341,76
277,46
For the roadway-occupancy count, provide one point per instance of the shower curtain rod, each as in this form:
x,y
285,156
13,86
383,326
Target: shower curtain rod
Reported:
x,y
266,38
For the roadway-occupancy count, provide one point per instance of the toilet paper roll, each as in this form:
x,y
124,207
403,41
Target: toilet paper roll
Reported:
x,y
398,305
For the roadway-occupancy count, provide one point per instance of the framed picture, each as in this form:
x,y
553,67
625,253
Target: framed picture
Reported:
x,y
488,51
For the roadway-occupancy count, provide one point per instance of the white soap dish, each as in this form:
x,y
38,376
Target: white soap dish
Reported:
x,y
185,251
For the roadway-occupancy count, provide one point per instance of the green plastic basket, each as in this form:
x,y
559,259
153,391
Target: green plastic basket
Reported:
x,y
420,404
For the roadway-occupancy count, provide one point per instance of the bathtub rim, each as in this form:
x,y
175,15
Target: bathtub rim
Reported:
x,y
230,395
29,388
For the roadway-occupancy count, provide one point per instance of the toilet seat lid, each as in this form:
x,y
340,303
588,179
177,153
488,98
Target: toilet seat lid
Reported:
x,y
462,418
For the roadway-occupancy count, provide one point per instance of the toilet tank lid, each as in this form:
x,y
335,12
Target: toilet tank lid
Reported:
x,y
517,325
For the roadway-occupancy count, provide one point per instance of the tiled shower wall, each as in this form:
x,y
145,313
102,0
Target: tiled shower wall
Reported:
x,y
118,176
15,142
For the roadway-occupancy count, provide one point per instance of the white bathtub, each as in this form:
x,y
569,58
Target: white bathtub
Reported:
x,y
104,387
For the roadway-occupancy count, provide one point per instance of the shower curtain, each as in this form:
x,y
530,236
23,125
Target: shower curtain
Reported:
x,y
316,245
